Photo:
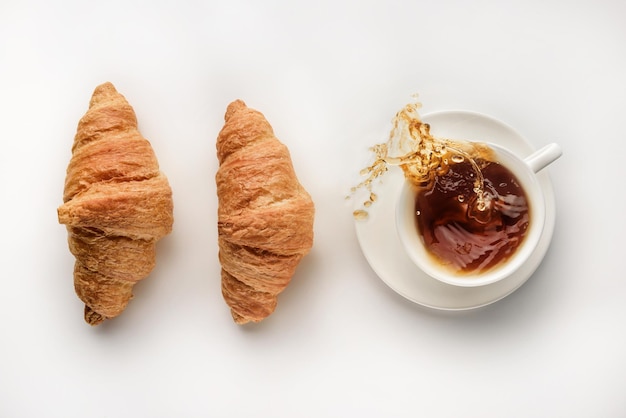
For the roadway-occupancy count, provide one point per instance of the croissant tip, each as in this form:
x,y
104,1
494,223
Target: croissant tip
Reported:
x,y
234,107
103,92
92,317
104,88
239,320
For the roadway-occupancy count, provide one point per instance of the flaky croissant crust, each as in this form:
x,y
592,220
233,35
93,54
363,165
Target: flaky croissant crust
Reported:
x,y
117,204
265,216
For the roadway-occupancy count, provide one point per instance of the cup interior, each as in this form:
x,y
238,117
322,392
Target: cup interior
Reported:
x,y
413,242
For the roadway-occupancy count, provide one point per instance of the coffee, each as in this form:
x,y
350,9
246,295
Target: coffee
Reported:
x,y
472,232
472,213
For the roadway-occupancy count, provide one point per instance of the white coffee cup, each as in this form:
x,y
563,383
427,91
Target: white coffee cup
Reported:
x,y
525,170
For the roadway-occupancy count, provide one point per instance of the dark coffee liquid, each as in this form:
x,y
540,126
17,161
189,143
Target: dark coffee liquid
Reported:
x,y
456,232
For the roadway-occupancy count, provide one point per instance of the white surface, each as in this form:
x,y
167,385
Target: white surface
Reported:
x,y
385,247
329,75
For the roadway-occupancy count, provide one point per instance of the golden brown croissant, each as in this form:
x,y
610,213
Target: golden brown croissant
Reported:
x,y
265,217
117,205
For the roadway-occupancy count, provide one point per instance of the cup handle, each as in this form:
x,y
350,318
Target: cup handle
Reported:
x,y
541,158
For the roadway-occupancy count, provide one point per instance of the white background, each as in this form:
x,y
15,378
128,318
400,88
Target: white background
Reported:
x,y
329,75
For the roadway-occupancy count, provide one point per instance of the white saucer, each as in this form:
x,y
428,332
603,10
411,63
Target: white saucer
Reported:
x,y
385,254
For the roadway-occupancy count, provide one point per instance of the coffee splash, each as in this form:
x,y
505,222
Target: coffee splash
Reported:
x,y
470,210
422,157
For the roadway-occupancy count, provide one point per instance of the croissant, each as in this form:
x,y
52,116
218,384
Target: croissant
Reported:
x,y
265,216
117,204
